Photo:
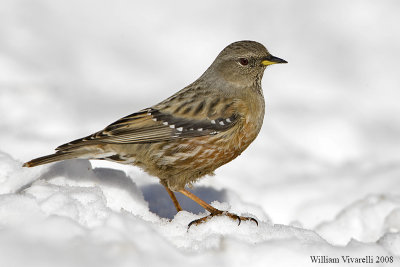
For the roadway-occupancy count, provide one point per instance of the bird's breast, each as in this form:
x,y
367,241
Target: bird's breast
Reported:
x,y
212,151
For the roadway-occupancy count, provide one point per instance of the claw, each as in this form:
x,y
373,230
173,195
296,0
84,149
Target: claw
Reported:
x,y
222,213
198,221
213,211
254,220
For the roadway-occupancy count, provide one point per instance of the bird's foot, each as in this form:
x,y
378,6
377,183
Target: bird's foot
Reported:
x,y
222,213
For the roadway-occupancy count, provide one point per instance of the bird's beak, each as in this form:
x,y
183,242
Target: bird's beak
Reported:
x,y
269,60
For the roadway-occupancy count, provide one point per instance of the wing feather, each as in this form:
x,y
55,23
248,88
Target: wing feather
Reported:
x,y
160,124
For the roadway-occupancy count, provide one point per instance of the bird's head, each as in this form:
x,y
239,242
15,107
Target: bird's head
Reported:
x,y
242,63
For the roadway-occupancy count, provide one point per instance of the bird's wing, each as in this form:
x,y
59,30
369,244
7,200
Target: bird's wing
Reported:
x,y
164,123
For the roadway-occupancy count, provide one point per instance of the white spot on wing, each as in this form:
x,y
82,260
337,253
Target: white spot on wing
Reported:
x,y
172,126
228,120
154,119
180,129
213,121
200,129
221,123
165,123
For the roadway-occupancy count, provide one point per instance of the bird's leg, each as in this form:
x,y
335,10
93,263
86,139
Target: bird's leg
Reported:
x,y
213,211
173,197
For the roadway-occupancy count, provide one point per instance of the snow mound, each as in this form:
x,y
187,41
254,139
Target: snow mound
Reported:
x,y
365,220
71,214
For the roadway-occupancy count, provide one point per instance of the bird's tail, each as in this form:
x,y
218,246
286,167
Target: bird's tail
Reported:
x,y
51,158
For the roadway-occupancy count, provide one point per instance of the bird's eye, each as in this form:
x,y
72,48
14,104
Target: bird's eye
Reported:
x,y
243,61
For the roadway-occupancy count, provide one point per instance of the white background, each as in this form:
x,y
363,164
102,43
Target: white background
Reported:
x,y
327,158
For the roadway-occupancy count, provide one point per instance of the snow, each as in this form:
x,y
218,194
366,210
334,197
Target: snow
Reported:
x,y
322,178
77,215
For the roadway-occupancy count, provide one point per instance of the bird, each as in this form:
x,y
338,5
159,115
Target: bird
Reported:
x,y
190,134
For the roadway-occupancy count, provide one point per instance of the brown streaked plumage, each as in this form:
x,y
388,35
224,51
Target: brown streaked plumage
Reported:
x,y
190,134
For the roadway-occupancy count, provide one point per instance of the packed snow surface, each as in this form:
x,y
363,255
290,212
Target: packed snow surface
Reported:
x,y
322,178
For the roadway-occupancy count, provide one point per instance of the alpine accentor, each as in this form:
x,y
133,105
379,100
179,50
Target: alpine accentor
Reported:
x,y
190,134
